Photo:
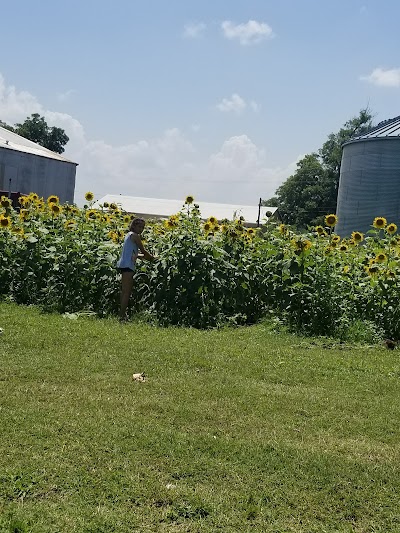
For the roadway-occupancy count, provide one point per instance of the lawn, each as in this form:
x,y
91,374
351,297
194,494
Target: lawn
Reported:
x,y
235,430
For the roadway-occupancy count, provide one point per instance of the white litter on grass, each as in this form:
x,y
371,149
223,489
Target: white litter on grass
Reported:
x,y
1,331
139,377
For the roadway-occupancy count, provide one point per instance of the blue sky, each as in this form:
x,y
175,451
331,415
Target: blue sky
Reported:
x,y
215,99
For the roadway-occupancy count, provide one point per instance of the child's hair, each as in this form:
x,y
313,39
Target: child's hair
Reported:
x,y
135,222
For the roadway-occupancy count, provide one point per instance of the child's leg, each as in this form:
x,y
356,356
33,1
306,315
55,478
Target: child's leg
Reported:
x,y
126,290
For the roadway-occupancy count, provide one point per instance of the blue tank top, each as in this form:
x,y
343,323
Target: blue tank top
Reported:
x,y
129,250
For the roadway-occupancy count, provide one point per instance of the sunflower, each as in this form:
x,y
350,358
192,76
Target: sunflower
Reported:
x,y
18,231
189,200
33,196
89,196
301,244
357,236
170,224
5,202
251,232
69,224
335,239
127,219
379,222
282,228
390,274
5,222
372,270
53,199
331,220
113,236
391,228
216,227
381,257
23,214
207,227
343,247
319,230
22,200
113,206
224,228
91,214
346,269
106,204
172,221
212,220
56,209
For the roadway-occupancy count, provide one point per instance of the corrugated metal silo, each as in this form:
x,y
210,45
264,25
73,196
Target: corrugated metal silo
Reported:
x,y
369,183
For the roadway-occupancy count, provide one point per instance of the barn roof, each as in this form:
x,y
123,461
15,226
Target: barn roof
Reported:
x,y
163,208
12,141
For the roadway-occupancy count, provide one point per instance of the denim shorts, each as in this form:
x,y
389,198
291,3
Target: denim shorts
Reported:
x,y
125,270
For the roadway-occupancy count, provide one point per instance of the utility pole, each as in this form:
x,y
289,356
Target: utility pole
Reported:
x,y
259,213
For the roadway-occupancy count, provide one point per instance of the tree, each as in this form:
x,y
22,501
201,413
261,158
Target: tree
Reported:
x,y
311,192
35,129
6,126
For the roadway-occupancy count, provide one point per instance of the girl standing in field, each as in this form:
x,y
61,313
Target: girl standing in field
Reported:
x,y
127,262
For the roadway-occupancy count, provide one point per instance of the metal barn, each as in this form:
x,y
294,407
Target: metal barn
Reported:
x,y
28,167
369,184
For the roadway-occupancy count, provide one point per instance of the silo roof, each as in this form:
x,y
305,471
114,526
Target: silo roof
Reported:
x,y
12,141
386,128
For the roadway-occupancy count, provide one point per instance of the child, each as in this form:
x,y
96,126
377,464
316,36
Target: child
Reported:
x,y
127,262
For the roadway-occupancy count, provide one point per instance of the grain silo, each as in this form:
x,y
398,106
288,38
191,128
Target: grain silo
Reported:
x,y
369,183
28,167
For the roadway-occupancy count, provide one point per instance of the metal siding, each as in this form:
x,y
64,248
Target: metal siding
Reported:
x,y
369,184
39,174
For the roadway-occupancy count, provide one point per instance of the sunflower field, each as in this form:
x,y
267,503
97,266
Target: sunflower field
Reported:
x,y
207,274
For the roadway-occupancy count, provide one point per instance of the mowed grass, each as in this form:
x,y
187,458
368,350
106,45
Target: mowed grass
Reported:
x,y
234,430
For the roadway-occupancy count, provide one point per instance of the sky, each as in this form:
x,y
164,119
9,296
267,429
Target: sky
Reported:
x,y
216,99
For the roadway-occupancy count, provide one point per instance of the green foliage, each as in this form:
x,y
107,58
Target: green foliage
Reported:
x,y
206,274
35,129
311,191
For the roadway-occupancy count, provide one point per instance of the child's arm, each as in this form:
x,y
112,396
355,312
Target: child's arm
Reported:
x,y
145,253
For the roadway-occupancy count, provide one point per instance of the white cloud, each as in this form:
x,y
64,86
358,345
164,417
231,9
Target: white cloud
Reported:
x,y
167,166
63,97
252,32
254,106
14,105
383,77
192,31
239,172
235,104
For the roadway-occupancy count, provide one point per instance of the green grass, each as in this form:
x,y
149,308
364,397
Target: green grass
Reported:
x,y
234,430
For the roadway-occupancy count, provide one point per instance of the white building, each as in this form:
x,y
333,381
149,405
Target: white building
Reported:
x,y
161,208
28,167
